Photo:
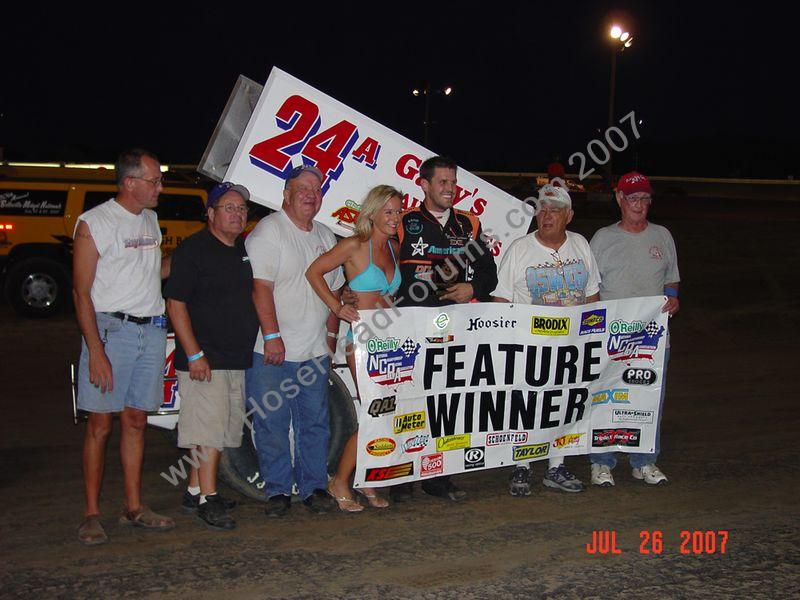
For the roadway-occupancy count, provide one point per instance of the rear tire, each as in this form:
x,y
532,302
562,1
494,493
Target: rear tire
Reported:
x,y
37,287
238,467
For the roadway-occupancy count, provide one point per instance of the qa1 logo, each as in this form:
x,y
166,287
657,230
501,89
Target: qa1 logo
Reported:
x,y
382,406
389,362
639,376
630,341
475,458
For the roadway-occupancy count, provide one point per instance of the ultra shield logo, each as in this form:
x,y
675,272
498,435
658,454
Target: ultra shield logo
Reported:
x,y
550,326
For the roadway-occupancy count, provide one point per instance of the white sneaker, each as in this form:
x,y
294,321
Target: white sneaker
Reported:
x,y
650,473
601,475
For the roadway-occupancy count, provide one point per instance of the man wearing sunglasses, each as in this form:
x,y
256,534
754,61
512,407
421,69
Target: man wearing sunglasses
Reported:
x,y
636,258
209,301
551,267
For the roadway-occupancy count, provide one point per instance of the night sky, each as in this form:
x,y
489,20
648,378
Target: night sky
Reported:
x,y
715,84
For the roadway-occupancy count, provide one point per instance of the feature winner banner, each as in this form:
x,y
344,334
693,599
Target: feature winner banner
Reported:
x,y
294,124
478,386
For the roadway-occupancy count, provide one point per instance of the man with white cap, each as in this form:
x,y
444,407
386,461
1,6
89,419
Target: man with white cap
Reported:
x,y
636,258
550,267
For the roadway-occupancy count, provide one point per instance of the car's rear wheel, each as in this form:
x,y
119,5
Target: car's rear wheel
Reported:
x,y
37,287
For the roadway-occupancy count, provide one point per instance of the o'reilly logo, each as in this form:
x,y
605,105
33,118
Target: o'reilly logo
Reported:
x,y
550,325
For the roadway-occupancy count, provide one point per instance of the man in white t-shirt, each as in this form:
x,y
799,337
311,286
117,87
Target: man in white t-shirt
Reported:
x,y
636,258
117,272
288,381
552,267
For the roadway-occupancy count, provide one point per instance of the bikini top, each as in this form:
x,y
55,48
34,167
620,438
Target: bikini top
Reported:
x,y
373,279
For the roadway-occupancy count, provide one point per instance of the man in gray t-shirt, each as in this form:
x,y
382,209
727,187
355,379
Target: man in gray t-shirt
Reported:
x,y
636,258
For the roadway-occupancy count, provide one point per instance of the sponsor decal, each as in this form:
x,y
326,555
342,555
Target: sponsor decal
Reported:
x,y
506,437
629,415
381,446
347,214
389,362
474,458
392,472
423,273
413,226
453,442
416,443
431,464
550,325
571,440
633,340
382,406
440,339
616,396
615,437
531,452
409,422
477,324
639,376
441,321
593,321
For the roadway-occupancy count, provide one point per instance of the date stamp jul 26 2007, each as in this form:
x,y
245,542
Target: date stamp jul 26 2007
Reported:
x,y
604,541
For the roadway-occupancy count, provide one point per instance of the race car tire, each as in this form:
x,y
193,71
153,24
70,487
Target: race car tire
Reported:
x,y
37,287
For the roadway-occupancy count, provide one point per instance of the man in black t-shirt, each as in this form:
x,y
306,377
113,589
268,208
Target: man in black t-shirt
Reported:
x,y
210,306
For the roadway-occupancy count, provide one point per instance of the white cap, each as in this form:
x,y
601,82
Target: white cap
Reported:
x,y
553,195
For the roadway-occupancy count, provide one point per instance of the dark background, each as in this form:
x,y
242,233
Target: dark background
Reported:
x,y
714,84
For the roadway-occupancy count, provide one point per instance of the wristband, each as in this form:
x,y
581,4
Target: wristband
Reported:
x,y
272,336
194,357
333,334
671,292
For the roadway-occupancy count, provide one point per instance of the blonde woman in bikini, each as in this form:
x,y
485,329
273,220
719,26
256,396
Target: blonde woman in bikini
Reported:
x,y
370,265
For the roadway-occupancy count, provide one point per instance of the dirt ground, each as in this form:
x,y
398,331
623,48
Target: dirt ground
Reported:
x,y
730,449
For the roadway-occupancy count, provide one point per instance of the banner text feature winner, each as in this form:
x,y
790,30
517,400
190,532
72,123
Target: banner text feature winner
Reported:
x,y
294,124
479,386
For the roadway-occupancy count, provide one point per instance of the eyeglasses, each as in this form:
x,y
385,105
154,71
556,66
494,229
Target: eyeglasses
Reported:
x,y
233,208
637,199
155,182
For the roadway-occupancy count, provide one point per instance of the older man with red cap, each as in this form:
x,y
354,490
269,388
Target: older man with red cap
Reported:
x,y
636,258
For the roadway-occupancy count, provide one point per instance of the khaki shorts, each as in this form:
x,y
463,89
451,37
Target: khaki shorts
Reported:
x,y
212,412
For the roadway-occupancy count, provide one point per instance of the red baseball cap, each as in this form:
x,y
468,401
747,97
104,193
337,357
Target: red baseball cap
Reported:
x,y
634,182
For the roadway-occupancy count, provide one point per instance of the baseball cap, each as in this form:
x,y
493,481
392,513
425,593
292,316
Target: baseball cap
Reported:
x,y
554,195
634,182
297,171
221,189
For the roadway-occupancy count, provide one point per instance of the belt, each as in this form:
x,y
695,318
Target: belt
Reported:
x,y
131,318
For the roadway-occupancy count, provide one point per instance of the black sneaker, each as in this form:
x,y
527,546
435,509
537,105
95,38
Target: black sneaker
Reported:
x,y
190,503
319,502
278,506
402,492
444,489
213,513
520,484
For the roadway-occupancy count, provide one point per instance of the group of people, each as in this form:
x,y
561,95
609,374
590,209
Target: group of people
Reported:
x,y
257,319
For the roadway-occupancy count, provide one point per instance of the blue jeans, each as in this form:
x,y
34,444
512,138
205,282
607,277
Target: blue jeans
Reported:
x,y
296,393
609,459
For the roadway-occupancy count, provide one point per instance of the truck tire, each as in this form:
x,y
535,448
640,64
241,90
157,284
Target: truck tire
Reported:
x,y
37,287
238,467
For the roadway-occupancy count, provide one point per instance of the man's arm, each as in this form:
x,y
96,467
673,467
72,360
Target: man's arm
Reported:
x,y
484,280
672,305
199,369
264,301
593,298
166,264
84,268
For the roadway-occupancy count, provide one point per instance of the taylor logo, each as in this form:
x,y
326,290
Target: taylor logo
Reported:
x,y
616,437
382,406
506,437
453,442
416,443
593,321
616,396
381,446
431,464
474,458
409,422
530,452
393,472
550,325
389,362
635,340
571,440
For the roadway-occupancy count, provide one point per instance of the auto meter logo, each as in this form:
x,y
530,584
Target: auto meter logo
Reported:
x,y
382,406
639,376
530,452
571,440
389,362
550,325
634,340
593,321
381,446
416,443
475,458
453,442
506,437
616,437
409,422
616,396
431,464
392,472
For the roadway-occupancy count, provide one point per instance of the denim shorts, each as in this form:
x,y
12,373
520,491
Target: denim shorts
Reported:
x,y
136,353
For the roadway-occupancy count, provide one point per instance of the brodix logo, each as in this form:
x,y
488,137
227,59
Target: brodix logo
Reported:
x,y
550,325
